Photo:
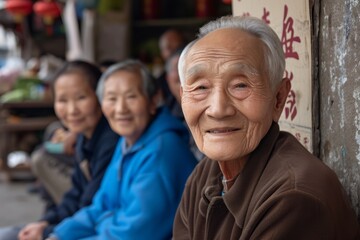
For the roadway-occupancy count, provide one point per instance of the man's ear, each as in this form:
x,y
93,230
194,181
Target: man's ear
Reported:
x,y
281,95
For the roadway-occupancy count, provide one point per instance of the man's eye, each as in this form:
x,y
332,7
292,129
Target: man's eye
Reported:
x,y
241,85
201,87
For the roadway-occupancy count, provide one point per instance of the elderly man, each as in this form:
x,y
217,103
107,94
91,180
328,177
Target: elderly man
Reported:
x,y
257,182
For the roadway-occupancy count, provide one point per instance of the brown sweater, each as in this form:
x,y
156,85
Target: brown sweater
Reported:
x,y
284,192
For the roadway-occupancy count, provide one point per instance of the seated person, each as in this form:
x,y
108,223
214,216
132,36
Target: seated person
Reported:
x,y
169,42
143,185
79,110
257,182
173,81
53,162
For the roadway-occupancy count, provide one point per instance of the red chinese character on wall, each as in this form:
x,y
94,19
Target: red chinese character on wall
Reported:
x,y
288,37
290,105
306,141
265,16
290,108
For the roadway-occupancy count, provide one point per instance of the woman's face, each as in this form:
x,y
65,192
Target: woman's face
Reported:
x,y
76,104
126,106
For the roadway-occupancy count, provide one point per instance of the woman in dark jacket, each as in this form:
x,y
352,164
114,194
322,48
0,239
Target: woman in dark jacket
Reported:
x,y
77,107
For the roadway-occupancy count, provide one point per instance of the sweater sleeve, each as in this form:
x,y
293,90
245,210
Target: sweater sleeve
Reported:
x,y
137,221
143,213
181,228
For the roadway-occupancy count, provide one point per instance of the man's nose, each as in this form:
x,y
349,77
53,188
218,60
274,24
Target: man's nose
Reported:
x,y
220,104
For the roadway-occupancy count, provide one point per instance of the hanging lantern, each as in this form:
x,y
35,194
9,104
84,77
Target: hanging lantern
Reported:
x,y
227,1
151,9
48,10
205,8
18,8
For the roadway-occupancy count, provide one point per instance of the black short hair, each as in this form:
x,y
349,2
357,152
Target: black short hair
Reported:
x,y
89,70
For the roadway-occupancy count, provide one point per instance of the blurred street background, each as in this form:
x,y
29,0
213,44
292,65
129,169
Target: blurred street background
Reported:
x,y
17,204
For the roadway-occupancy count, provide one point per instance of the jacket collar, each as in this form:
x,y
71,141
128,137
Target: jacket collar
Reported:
x,y
239,196
85,147
237,199
163,121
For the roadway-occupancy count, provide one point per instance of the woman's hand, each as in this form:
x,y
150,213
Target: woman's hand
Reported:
x,y
67,138
33,231
59,135
69,143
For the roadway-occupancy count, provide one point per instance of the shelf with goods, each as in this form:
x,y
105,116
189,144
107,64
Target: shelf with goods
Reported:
x,y
22,125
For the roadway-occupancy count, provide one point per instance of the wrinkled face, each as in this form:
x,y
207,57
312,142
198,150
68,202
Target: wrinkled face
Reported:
x,y
76,104
172,77
226,98
126,106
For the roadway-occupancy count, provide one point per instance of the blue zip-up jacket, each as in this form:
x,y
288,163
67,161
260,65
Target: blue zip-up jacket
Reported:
x,y
98,151
141,189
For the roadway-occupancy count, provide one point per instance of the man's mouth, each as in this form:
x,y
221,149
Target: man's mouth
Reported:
x,y
222,130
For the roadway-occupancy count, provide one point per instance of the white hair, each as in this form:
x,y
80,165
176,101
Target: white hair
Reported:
x,y
274,55
149,83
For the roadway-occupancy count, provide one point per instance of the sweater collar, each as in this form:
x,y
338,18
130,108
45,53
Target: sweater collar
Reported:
x,y
239,196
87,146
237,199
162,122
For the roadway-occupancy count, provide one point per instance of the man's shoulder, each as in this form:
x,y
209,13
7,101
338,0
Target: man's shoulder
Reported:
x,y
289,153
299,169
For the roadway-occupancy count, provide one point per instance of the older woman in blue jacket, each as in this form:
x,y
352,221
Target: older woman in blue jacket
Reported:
x,y
143,185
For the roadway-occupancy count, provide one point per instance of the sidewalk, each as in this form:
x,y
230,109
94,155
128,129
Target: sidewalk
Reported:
x,y
17,205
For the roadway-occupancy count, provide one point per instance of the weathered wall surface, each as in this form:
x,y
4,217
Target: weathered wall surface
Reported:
x,y
339,82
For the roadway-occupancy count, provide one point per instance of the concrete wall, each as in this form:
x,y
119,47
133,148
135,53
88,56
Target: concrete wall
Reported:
x,y
339,90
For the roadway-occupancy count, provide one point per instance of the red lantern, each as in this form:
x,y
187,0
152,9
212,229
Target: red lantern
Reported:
x,y
227,1
18,8
49,10
204,8
151,9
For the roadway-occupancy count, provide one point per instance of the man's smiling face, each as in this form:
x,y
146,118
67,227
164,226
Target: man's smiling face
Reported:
x,y
227,98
